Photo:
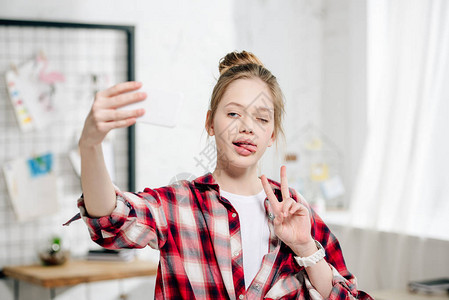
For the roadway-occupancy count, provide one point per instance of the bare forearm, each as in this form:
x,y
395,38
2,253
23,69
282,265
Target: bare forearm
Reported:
x,y
98,190
320,274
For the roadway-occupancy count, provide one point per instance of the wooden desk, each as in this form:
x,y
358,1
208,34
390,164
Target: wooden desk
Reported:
x,y
77,271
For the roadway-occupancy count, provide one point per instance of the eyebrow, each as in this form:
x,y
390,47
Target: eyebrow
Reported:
x,y
258,108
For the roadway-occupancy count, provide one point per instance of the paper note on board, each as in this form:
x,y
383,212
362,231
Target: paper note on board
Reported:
x,y
33,92
333,187
319,172
31,184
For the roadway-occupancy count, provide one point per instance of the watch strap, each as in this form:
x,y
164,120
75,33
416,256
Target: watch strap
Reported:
x,y
312,259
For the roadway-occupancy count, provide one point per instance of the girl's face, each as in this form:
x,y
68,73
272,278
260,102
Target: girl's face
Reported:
x,y
243,123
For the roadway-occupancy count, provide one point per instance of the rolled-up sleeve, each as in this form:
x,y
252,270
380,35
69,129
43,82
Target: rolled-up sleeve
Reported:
x,y
342,288
137,220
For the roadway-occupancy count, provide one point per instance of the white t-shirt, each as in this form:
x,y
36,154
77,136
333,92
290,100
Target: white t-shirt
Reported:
x,y
254,230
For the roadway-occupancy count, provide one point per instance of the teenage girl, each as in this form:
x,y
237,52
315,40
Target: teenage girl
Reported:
x,y
230,234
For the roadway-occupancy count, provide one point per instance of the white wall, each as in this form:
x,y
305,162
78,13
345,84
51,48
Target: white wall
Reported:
x,y
180,53
317,51
287,38
343,109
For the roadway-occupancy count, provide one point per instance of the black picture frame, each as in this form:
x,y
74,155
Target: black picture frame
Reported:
x,y
129,30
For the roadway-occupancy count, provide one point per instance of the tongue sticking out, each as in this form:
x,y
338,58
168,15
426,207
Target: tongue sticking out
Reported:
x,y
245,149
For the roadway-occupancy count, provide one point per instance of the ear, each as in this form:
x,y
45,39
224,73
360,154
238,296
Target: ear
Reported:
x,y
209,129
272,140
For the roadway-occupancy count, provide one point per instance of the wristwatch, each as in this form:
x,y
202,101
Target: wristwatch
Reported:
x,y
312,259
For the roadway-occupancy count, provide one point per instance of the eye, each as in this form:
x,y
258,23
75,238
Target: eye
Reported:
x,y
233,114
263,120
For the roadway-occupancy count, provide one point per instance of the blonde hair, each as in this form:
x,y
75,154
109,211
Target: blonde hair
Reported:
x,y
245,65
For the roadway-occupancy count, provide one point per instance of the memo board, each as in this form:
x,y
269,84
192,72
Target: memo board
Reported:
x,y
89,57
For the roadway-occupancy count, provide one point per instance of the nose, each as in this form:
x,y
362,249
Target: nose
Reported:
x,y
246,126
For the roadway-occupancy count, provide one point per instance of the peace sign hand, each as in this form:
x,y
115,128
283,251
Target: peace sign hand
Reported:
x,y
292,222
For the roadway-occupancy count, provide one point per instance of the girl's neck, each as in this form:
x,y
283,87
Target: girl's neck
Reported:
x,y
243,182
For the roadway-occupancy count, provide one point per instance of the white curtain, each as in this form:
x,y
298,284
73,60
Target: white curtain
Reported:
x,y
403,180
400,201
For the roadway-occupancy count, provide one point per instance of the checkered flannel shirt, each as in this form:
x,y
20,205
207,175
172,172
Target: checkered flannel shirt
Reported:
x,y
198,235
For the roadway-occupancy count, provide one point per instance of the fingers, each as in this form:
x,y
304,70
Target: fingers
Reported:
x,y
288,206
118,100
104,112
120,88
125,99
107,115
284,183
104,127
107,126
279,208
117,96
276,206
298,209
292,207
288,203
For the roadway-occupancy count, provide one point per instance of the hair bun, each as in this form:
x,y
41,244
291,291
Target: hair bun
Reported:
x,y
237,58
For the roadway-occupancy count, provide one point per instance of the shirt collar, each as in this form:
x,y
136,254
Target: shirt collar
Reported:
x,y
206,179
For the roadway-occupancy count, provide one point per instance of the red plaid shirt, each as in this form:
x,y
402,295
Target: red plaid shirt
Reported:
x,y
198,236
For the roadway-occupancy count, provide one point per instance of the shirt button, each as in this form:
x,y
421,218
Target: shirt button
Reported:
x,y
236,253
256,287
234,215
241,296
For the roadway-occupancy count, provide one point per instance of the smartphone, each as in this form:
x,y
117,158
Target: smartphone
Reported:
x,y
162,107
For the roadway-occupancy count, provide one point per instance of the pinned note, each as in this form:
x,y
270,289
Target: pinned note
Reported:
x,y
319,172
32,186
333,188
32,91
